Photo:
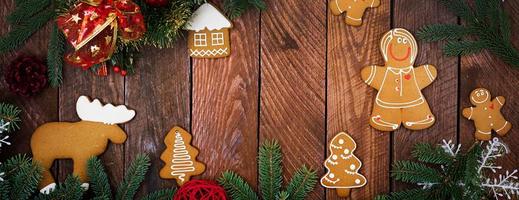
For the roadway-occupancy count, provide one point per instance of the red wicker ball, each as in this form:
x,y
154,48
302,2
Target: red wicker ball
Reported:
x,y
26,76
200,190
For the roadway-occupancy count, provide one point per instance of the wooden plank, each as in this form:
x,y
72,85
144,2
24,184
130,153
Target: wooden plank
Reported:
x,y
108,90
35,110
488,71
160,93
293,57
225,104
350,100
442,93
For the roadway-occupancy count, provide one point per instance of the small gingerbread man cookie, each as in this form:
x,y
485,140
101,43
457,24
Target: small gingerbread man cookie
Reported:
x,y
487,114
354,9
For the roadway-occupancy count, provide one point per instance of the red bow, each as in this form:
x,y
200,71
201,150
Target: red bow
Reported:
x,y
92,27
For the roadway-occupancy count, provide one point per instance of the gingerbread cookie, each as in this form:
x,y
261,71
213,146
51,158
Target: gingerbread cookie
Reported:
x,y
343,167
209,33
180,157
399,99
354,9
486,114
79,140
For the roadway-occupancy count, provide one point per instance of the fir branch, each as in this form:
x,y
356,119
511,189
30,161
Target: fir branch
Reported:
x,y
10,114
56,50
270,170
471,178
133,178
22,176
26,10
20,33
283,196
302,183
69,190
235,8
236,187
165,194
411,194
457,48
437,32
428,154
412,172
98,179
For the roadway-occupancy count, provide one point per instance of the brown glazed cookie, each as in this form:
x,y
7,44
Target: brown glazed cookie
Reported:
x,y
354,9
399,99
486,114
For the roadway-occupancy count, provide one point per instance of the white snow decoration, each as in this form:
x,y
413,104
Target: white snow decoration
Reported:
x,y
3,126
504,186
493,150
109,114
207,16
450,148
4,141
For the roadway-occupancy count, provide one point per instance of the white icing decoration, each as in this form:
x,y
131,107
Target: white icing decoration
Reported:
x,y
341,141
352,167
346,151
334,157
207,16
96,112
332,175
357,181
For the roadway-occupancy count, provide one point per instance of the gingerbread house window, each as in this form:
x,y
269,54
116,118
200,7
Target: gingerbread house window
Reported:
x,y
217,39
200,39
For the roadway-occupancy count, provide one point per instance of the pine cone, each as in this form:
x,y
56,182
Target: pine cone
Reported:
x,y
26,76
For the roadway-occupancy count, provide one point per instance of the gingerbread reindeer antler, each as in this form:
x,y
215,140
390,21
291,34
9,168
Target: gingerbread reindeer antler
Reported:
x,y
108,114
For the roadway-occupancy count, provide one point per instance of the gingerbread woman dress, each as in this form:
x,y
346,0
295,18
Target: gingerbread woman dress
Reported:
x,y
399,99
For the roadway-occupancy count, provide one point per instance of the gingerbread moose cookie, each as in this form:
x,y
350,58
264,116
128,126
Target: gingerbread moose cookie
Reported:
x,y
486,114
354,9
399,99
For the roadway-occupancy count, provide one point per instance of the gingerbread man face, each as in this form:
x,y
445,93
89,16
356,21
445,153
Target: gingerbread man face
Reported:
x,y
399,48
479,96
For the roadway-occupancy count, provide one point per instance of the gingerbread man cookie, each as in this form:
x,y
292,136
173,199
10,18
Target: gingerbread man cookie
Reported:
x,y
487,114
399,99
354,9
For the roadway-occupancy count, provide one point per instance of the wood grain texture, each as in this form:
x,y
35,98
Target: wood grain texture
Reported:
x,y
160,93
293,68
350,100
35,110
225,104
442,93
488,71
108,89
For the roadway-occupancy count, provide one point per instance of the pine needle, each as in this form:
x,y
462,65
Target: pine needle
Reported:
x,y
413,194
270,170
10,113
412,172
461,48
437,32
98,179
429,154
56,50
69,190
236,187
20,33
165,194
26,10
302,183
235,8
21,175
133,178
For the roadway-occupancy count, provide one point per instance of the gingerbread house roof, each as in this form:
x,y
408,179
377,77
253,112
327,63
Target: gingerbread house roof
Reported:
x,y
208,16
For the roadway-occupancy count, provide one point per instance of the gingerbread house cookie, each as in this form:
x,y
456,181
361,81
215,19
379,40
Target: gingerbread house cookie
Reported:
x,y
209,33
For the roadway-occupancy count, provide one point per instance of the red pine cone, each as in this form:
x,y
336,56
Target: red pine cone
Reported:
x,y
26,76
200,190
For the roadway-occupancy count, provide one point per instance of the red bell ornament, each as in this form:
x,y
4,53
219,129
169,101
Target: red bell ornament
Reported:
x,y
93,26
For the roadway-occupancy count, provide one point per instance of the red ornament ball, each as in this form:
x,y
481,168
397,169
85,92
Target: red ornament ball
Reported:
x,y
157,3
117,69
26,76
123,72
200,190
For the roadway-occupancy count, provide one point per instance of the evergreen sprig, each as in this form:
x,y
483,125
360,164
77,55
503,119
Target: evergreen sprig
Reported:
x,y
235,8
133,178
10,113
98,179
20,178
69,190
270,177
56,49
487,22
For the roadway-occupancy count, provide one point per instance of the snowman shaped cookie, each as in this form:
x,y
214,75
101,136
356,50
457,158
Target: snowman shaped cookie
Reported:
x,y
486,114
399,99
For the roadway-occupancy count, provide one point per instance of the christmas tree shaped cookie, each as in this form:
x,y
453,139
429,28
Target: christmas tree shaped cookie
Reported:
x,y
180,157
343,166
486,114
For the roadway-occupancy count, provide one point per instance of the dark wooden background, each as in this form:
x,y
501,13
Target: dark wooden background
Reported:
x,y
294,76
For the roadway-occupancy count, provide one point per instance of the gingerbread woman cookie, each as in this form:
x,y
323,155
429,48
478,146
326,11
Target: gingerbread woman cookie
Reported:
x,y
487,114
354,9
399,99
